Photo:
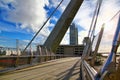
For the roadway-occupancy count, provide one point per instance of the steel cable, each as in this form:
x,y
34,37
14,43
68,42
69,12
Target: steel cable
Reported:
x,y
42,26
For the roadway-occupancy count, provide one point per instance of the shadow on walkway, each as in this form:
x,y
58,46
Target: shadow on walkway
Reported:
x,y
72,73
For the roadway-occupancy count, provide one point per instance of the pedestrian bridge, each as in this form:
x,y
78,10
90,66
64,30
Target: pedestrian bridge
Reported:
x,y
58,69
45,65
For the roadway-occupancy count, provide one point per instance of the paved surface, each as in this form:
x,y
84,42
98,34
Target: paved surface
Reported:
x,y
60,69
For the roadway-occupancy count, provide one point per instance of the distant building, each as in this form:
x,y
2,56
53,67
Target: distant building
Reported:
x,y
73,35
9,51
75,50
13,52
70,50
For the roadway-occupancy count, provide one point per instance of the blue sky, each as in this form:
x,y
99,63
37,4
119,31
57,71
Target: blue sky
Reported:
x,y
21,19
17,30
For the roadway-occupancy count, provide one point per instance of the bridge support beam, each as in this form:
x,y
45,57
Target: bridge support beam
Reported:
x,y
62,25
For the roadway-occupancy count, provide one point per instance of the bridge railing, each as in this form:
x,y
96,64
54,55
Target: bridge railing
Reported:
x,y
15,61
89,72
110,69
12,55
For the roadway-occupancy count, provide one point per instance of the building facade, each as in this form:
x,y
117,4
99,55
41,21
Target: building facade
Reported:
x,y
70,50
73,50
73,35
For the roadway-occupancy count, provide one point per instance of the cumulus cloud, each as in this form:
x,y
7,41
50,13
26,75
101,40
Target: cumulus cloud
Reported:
x,y
107,12
108,35
108,9
27,14
85,13
64,4
30,14
81,35
54,19
66,38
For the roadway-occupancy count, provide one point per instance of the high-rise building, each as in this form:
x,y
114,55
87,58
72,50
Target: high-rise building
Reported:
x,y
73,34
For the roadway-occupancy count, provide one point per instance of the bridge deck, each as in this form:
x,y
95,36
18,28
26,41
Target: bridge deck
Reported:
x,y
60,69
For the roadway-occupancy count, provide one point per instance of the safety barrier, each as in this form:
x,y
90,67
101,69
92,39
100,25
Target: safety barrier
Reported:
x,y
14,61
89,72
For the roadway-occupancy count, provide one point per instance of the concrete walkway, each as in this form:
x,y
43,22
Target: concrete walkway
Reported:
x,y
60,69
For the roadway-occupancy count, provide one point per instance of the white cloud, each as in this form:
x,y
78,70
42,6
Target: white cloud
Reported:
x,y
84,15
108,35
45,31
31,14
81,35
62,7
54,19
66,38
108,9
51,25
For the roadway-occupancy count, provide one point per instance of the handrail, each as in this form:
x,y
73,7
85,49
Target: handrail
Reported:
x,y
90,70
